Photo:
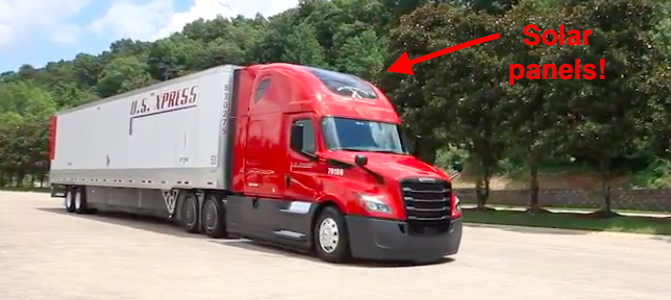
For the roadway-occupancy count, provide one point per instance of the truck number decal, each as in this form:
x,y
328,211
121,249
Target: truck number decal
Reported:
x,y
336,171
225,108
170,199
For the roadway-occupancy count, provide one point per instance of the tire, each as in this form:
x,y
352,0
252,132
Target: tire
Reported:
x,y
214,217
79,201
331,224
69,200
190,213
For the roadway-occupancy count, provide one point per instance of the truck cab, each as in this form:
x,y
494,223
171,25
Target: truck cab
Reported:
x,y
319,164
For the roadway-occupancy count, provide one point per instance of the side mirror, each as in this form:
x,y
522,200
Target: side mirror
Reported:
x,y
457,166
417,146
361,160
297,137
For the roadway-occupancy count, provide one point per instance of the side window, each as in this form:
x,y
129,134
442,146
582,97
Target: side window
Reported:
x,y
309,144
260,89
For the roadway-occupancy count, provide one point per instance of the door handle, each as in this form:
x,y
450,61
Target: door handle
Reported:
x,y
287,180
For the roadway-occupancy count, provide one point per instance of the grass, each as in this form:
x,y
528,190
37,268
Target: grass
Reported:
x,y
567,220
583,210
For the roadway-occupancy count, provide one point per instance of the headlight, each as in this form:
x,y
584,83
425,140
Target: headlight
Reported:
x,y
374,203
457,206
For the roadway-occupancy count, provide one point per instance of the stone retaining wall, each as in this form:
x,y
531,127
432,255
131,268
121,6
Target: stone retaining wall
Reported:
x,y
649,200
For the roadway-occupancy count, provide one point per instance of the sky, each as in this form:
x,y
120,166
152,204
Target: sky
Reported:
x,y
38,31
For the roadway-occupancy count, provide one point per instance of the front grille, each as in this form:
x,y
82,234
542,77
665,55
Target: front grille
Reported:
x,y
427,203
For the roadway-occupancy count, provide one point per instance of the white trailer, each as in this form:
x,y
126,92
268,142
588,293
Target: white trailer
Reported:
x,y
133,151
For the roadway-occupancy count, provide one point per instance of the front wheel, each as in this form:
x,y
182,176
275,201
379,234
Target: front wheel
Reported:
x,y
331,237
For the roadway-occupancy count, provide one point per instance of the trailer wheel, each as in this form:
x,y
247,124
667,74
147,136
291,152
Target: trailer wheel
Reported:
x,y
69,200
190,213
80,204
331,237
214,217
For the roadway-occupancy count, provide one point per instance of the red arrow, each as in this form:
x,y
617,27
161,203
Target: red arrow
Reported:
x,y
404,66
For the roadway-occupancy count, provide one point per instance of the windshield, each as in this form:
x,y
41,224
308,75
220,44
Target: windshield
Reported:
x,y
361,135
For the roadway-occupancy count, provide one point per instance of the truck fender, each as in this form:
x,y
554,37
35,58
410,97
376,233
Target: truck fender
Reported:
x,y
326,200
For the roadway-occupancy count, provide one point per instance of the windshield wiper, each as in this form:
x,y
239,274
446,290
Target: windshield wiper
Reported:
x,y
369,150
352,149
385,151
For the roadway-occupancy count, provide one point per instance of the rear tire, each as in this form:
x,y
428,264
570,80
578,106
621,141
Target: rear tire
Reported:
x,y
214,217
331,238
190,213
80,205
69,200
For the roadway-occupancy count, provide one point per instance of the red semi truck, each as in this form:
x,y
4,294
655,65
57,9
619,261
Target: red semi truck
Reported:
x,y
299,156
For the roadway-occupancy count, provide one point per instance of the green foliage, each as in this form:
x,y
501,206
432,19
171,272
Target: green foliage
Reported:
x,y
449,155
655,175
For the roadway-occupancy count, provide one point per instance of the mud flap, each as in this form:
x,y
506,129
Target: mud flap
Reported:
x,y
170,199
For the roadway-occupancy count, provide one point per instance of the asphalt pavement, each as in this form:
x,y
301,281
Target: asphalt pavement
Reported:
x,y
46,253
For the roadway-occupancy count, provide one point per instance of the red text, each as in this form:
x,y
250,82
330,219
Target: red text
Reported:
x,y
551,71
550,37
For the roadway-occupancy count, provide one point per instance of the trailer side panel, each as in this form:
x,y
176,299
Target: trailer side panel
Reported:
x,y
171,135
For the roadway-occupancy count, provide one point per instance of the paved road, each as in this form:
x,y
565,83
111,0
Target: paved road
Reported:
x,y
47,254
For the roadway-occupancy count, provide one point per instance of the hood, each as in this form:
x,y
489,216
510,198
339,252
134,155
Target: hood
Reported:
x,y
392,166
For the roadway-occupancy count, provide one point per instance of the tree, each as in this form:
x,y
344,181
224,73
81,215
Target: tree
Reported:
x,y
122,75
362,54
536,134
422,113
610,119
464,91
302,47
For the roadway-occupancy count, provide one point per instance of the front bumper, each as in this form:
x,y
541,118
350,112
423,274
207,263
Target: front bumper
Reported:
x,y
389,240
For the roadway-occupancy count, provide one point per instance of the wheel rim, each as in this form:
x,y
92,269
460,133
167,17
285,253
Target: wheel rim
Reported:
x,y
190,213
328,235
78,200
211,215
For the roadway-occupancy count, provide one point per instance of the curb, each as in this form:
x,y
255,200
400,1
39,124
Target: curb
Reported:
x,y
533,229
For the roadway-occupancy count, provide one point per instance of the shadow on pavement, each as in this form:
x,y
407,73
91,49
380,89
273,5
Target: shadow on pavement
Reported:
x,y
158,225
662,238
530,229
267,248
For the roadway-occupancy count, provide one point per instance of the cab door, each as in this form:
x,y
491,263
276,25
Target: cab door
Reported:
x,y
301,177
